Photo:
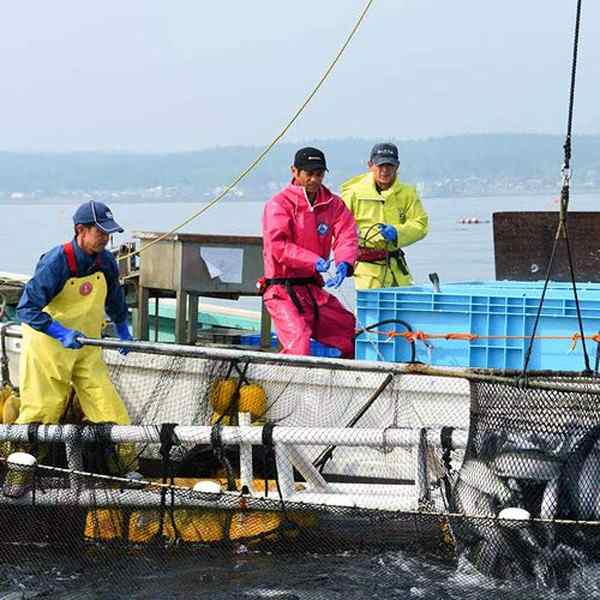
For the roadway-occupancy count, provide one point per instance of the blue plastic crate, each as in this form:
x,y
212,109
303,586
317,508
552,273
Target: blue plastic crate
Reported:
x,y
480,308
316,348
562,288
253,339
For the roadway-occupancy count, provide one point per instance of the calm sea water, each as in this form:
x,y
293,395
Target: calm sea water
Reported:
x,y
454,251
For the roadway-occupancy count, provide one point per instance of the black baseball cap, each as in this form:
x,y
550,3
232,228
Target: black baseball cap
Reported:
x,y
310,159
384,154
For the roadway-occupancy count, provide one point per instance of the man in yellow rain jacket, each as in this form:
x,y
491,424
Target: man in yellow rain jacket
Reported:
x,y
389,215
74,286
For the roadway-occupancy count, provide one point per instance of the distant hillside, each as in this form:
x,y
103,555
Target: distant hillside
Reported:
x,y
459,164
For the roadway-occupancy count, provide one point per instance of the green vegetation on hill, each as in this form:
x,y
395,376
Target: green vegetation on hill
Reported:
x,y
480,159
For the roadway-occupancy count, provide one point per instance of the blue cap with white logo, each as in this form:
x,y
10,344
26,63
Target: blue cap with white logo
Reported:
x,y
97,213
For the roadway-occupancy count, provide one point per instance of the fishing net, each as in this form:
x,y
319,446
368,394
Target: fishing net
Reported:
x,y
196,391
531,473
369,471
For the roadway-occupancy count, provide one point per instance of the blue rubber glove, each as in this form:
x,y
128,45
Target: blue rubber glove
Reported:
x,y
123,332
388,232
67,337
322,265
341,272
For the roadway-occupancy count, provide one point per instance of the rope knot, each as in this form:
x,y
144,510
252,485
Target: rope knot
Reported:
x,y
574,339
414,336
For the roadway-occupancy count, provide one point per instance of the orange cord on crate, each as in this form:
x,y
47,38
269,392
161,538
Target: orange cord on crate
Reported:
x,y
414,336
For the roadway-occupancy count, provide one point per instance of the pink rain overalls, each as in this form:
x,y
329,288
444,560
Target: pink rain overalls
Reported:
x,y
295,236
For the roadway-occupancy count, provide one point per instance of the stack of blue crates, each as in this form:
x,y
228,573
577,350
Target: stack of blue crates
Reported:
x,y
495,308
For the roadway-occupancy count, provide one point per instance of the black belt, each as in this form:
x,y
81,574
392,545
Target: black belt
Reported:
x,y
290,282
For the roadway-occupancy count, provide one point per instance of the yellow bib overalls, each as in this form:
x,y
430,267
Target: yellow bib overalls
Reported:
x,y
48,370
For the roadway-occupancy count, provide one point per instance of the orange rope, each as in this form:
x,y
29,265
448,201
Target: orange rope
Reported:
x,y
461,336
413,336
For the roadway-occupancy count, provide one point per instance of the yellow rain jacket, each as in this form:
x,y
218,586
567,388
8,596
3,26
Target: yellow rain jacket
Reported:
x,y
48,370
399,206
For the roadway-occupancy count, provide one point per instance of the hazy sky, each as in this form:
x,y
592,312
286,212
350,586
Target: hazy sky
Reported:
x,y
168,75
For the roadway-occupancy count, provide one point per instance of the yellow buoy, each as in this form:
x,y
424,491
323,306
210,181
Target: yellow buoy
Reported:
x,y
222,394
5,392
224,420
200,524
104,524
10,410
143,526
251,524
186,525
196,526
253,400
268,526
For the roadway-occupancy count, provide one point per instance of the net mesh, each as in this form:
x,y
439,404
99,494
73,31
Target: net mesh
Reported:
x,y
165,389
531,471
514,508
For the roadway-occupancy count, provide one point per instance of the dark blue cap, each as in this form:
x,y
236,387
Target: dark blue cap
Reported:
x,y
384,154
97,213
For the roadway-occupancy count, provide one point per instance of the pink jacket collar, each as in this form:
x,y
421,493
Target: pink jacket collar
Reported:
x,y
297,195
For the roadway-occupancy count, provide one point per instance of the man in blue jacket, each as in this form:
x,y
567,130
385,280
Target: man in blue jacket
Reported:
x,y
74,286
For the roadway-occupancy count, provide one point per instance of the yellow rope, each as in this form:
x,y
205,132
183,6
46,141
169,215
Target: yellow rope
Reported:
x,y
278,137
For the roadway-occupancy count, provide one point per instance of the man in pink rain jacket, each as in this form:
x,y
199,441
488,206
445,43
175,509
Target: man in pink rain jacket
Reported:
x,y
302,224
